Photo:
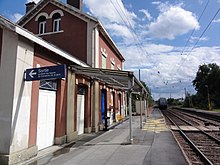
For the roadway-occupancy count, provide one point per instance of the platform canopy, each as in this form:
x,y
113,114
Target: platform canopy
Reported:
x,y
122,80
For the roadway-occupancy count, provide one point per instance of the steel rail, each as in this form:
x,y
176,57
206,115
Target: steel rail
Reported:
x,y
210,136
207,115
194,147
213,122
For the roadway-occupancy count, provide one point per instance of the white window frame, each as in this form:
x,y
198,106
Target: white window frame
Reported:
x,y
104,58
104,61
56,25
112,63
112,66
42,27
119,67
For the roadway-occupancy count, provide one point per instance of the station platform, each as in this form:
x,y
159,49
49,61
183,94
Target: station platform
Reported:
x,y
164,150
153,144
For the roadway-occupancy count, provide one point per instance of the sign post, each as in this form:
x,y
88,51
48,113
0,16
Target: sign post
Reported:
x,y
46,73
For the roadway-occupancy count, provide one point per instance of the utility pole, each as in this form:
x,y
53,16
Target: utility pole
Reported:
x,y
139,75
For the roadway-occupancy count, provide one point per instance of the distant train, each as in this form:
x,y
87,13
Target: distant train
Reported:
x,y
162,103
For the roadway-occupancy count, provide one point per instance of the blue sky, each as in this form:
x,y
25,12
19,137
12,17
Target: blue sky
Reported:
x,y
152,36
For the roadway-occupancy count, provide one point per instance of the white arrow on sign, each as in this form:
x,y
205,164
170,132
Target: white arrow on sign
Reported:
x,y
32,73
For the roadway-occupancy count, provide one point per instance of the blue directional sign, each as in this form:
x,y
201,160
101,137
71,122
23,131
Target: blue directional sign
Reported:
x,y
45,73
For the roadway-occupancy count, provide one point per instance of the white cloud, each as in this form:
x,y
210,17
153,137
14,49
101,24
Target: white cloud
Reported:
x,y
216,21
16,17
195,39
171,22
36,1
114,28
158,48
143,60
146,13
176,71
112,11
113,14
156,2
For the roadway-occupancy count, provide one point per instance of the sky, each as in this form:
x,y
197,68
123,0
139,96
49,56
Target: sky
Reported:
x,y
166,40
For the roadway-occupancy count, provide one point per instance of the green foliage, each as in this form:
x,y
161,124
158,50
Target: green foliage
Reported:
x,y
216,110
172,101
133,100
206,84
136,97
150,98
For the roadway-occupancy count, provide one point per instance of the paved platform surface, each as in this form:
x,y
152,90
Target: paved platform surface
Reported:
x,y
152,145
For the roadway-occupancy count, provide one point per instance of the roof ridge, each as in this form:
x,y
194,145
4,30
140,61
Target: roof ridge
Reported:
x,y
72,10
42,3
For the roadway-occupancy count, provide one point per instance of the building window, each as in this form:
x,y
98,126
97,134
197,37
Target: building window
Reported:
x,y
48,85
81,89
56,22
119,67
112,66
103,62
112,63
104,57
42,24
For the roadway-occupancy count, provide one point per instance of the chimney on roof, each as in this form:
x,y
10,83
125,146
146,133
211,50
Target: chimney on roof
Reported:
x,y
75,3
29,6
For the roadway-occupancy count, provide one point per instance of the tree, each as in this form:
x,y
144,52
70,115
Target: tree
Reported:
x,y
150,98
207,83
136,97
172,101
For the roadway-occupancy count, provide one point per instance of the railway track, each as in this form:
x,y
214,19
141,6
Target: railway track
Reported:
x,y
202,118
213,116
199,146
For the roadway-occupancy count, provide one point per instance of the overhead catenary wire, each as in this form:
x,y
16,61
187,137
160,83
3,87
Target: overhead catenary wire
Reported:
x,y
199,38
181,63
184,48
201,35
127,22
135,36
195,28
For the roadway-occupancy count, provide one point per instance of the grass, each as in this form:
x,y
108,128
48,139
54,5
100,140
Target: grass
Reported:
x,y
216,110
